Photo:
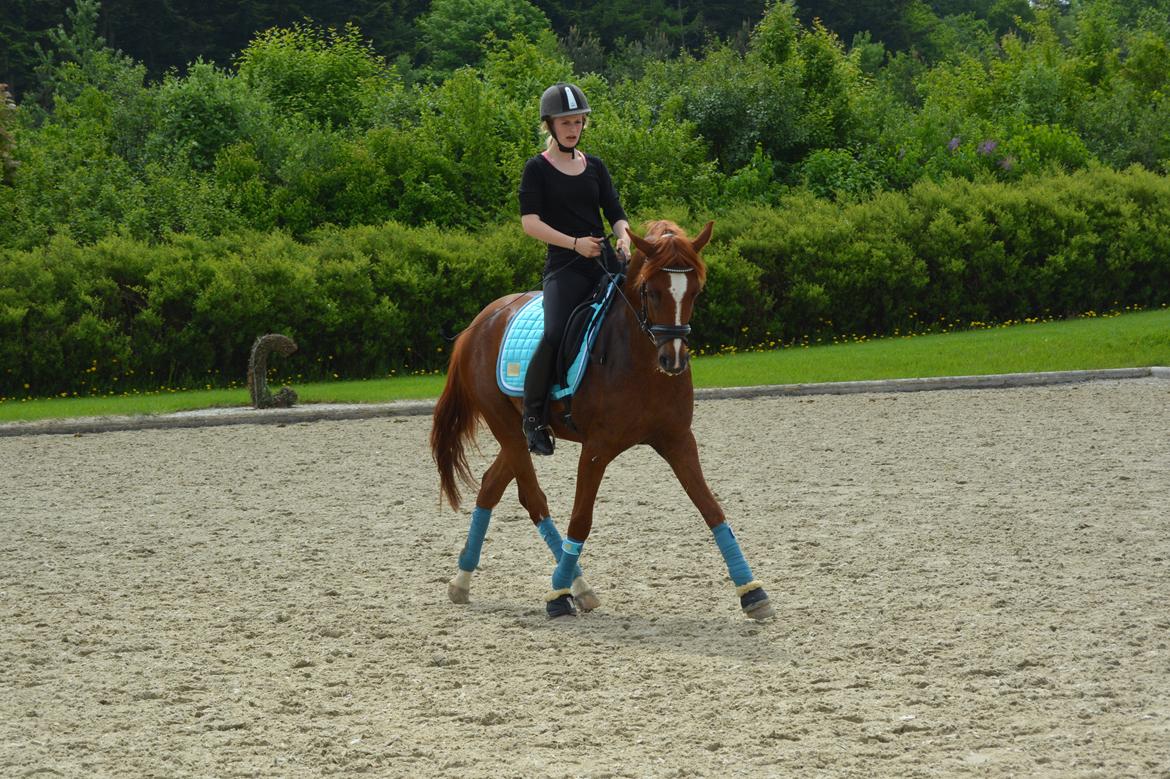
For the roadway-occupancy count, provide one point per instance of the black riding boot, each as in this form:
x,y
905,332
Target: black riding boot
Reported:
x,y
536,428
536,388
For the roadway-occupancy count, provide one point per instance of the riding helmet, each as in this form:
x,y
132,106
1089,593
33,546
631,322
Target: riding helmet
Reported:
x,y
562,99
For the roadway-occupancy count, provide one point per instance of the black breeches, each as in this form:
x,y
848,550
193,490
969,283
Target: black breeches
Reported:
x,y
563,292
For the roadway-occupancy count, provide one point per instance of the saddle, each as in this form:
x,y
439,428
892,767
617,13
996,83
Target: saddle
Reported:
x,y
526,328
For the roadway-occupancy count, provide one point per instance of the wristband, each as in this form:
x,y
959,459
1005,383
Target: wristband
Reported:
x,y
574,244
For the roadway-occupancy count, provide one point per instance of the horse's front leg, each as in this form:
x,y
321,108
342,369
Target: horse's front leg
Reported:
x,y
683,455
590,470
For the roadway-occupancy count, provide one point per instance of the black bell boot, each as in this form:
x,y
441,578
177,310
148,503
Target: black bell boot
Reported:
x,y
538,434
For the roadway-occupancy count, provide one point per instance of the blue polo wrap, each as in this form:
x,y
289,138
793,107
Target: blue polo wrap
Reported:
x,y
737,566
548,531
469,557
562,577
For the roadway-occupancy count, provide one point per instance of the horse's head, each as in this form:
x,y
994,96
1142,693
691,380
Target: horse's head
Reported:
x,y
667,273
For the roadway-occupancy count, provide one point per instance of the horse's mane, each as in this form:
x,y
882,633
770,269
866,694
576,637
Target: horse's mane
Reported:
x,y
672,249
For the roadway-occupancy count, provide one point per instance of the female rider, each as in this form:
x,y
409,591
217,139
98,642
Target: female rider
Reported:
x,y
562,194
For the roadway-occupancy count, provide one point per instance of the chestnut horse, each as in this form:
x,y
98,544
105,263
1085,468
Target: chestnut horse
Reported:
x,y
640,393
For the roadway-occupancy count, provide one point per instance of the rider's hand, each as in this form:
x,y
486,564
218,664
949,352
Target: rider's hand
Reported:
x,y
623,247
588,246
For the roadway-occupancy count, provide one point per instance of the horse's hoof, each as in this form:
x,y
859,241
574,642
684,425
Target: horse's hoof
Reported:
x,y
561,607
587,601
755,605
459,588
458,594
584,595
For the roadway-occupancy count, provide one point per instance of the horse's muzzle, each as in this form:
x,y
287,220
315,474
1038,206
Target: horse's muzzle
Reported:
x,y
672,360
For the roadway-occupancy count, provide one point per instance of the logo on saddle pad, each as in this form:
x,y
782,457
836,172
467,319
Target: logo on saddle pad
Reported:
x,y
523,334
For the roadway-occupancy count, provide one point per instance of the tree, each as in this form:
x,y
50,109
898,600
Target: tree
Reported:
x,y
7,121
454,31
1000,15
884,19
685,24
325,76
79,56
774,38
172,34
24,23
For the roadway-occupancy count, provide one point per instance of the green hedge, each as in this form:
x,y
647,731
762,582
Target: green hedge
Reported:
x,y
365,301
957,251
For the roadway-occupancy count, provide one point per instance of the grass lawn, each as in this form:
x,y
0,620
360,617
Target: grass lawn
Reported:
x,y
1127,341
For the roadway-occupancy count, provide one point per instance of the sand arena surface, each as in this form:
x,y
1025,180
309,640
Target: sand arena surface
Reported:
x,y
968,583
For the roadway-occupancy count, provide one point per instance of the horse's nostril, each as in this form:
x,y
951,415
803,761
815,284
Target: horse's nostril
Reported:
x,y
669,363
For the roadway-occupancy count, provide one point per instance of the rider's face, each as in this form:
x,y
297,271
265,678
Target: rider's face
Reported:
x,y
569,129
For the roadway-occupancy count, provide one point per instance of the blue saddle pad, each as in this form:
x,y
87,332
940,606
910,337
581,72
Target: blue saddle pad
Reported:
x,y
524,332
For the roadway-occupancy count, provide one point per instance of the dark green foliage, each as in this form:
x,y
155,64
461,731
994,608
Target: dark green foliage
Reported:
x,y
682,25
313,128
123,314
957,251
454,32
367,300
8,163
656,161
200,114
838,174
324,76
345,199
165,36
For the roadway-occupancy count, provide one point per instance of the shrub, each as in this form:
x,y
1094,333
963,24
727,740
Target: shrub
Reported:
x,y
8,163
70,180
957,250
837,173
654,163
328,77
362,301
123,314
201,113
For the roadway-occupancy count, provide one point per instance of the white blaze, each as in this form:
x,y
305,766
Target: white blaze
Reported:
x,y
678,290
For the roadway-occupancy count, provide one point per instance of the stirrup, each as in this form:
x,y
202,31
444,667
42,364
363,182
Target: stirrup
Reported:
x,y
539,437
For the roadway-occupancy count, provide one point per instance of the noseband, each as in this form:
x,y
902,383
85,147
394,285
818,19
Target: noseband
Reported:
x,y
661,334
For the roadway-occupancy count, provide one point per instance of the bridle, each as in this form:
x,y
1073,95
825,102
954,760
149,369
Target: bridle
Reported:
x,y
661,334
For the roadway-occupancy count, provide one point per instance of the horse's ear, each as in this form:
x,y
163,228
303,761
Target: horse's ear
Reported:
x,y
704,236
641,243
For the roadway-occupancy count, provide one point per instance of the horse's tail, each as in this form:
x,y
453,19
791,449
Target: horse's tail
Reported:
x,y
455,422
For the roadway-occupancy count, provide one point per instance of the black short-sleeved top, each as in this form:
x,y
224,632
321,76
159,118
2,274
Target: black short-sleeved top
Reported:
x,y
571,204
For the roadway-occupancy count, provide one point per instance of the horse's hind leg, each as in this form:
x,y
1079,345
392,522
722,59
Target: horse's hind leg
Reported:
x,y
533,499
583,594
491,489
590,470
